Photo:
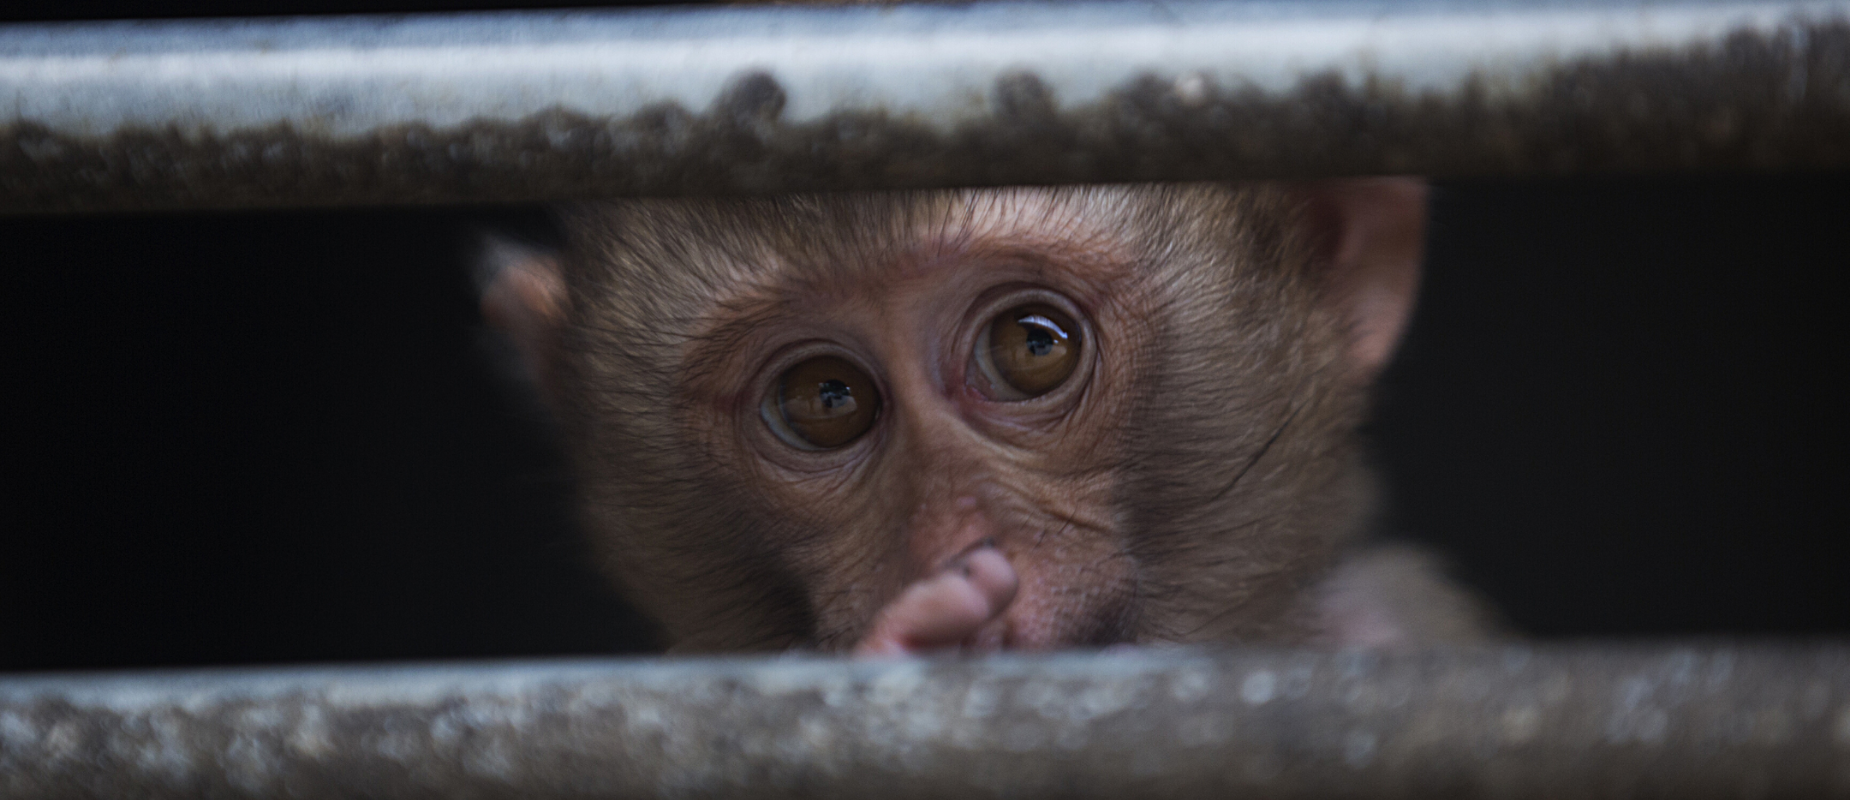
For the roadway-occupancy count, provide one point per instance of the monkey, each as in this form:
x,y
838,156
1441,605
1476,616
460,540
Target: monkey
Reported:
x,y
1030,418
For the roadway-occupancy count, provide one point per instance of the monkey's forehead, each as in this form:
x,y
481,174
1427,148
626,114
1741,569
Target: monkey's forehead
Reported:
x,y
725,247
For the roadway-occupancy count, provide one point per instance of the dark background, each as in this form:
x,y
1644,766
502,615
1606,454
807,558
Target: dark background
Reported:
x,y
265,437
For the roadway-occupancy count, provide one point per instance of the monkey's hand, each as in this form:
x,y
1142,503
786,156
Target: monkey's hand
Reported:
x,y
944,611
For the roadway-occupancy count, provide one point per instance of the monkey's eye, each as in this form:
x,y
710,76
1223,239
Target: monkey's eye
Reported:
x,y
822,403
1028,351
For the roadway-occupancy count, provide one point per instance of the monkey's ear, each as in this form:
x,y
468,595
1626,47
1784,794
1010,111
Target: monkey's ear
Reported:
x,y
523,295
1374,230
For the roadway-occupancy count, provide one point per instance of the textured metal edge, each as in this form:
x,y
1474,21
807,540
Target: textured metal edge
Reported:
x,y
528,107
1700,720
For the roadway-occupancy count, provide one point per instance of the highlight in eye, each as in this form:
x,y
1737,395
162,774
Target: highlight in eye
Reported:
x,y
822,403
1029,350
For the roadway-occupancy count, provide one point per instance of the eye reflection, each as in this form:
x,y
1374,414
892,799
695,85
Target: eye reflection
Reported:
x,y
823,403
1030,349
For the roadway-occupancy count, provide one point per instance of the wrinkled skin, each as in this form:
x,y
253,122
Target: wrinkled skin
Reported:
x,y
1195,477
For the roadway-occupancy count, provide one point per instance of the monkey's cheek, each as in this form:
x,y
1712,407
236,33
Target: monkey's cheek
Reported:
x,y
944,611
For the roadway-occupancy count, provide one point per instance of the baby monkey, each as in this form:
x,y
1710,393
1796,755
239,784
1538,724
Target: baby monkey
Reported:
x,y
984,419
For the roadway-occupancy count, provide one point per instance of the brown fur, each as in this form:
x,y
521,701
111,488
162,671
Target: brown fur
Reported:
x,y
1198,490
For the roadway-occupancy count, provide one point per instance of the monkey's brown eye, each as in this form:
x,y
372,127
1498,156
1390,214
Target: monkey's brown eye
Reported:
x,y
825,402
1030,350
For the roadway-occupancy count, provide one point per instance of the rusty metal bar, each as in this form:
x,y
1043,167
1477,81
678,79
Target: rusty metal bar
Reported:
x,y
535,106
1693,721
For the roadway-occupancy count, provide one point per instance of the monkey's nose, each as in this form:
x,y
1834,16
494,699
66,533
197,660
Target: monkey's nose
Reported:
x,y
937,541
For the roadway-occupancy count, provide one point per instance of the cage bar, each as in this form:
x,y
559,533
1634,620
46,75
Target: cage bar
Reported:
x,y
511,107
1692,721
541,106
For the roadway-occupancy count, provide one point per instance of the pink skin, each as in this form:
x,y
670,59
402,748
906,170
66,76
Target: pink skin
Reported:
x,y
944,611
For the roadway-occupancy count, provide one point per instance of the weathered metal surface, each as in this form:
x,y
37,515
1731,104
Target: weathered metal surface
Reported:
x,y
530,106
1547,722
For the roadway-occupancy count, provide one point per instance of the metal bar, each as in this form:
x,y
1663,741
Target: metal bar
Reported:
x,y
1548,722
532,106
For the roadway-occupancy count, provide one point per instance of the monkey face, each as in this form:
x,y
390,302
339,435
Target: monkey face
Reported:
x,y
964,393
1133,401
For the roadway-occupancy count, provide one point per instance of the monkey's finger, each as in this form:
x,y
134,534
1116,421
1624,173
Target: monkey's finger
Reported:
x,y
943,610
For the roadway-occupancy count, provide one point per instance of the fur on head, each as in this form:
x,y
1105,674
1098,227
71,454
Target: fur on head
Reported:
x,y
1193,488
